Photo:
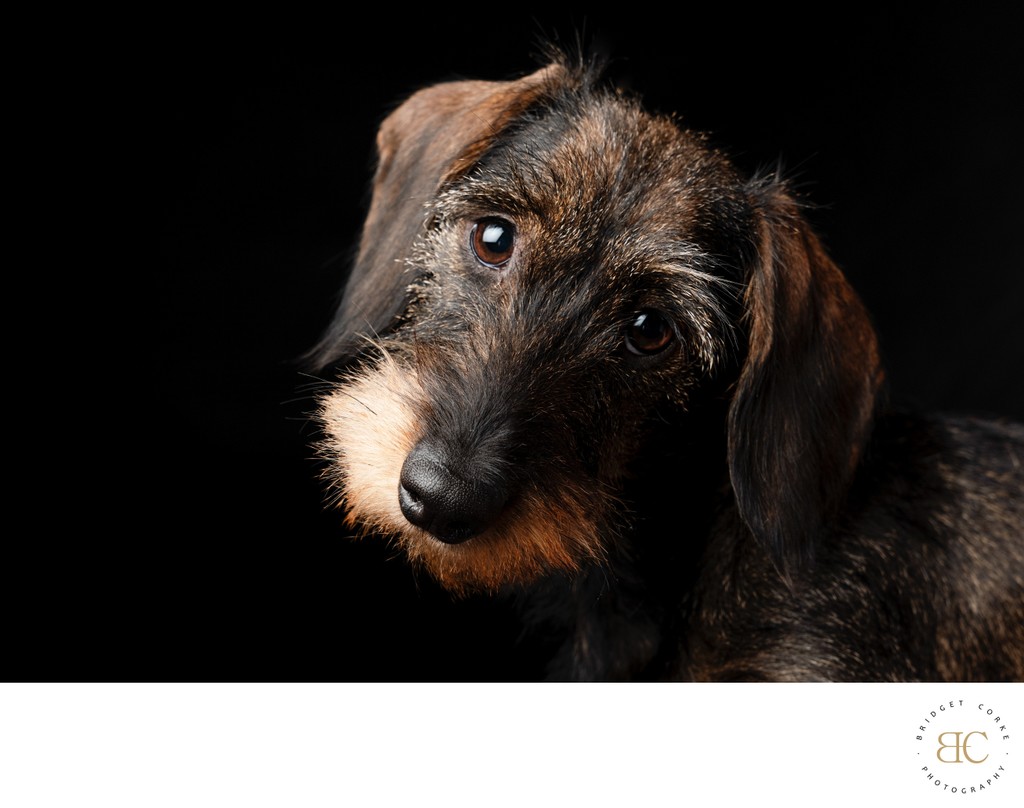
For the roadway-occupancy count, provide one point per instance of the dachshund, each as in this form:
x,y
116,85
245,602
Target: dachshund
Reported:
x,y
581,361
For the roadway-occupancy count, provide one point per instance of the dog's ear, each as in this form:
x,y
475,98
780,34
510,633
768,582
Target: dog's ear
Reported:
x,y
804,402
433,137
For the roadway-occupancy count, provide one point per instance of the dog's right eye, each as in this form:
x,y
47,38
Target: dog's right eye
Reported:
x,y
493,241
649,333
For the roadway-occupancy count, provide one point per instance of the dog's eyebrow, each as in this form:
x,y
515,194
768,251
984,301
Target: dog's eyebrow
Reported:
x,y
694,266
667,260
686,280
481,192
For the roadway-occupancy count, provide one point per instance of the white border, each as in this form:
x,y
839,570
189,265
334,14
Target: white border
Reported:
x,y
309,745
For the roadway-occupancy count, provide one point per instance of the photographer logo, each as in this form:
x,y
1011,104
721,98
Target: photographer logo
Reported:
x,y
963,747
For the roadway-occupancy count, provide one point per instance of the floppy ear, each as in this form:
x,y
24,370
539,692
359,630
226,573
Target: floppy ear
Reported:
x,y
806,394
433,137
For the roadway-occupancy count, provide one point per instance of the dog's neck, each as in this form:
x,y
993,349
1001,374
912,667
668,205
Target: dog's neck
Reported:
x,y
610,621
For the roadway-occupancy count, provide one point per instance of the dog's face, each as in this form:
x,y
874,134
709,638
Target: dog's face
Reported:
x,y
545,270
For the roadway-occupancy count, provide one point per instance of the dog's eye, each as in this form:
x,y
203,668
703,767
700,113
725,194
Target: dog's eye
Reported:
x,y
493,241
649,333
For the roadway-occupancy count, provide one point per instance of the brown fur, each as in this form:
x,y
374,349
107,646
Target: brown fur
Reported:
x,y
738,505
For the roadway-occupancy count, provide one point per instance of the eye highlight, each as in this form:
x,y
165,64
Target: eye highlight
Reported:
x,y
493,241
649,333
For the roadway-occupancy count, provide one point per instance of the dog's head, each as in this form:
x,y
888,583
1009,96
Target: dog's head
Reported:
x,y
544,270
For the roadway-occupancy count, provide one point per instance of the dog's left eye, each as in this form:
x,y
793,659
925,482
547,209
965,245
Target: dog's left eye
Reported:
x,y
649,333
493,241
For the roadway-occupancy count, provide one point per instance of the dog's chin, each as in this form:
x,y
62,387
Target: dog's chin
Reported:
x,y
533,537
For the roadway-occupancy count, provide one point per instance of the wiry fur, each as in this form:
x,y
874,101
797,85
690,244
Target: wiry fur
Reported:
x,y
740,506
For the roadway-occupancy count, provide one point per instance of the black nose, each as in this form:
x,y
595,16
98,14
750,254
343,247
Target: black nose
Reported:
x,y
444,503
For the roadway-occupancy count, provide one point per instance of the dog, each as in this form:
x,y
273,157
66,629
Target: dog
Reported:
x,y
583,362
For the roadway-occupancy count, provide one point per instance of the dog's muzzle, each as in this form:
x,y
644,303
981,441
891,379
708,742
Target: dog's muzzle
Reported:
x,y
450,507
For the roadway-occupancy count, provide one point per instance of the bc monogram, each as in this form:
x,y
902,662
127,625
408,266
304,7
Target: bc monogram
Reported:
x,y
961,747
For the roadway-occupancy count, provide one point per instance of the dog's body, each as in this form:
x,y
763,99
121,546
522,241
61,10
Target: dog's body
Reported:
x,y
590,364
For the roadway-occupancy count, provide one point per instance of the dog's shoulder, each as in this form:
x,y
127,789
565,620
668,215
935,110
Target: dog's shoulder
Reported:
x,y
927,560
938,517
941,461
940,499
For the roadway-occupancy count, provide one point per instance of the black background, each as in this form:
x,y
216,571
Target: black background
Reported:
x,y
224,564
